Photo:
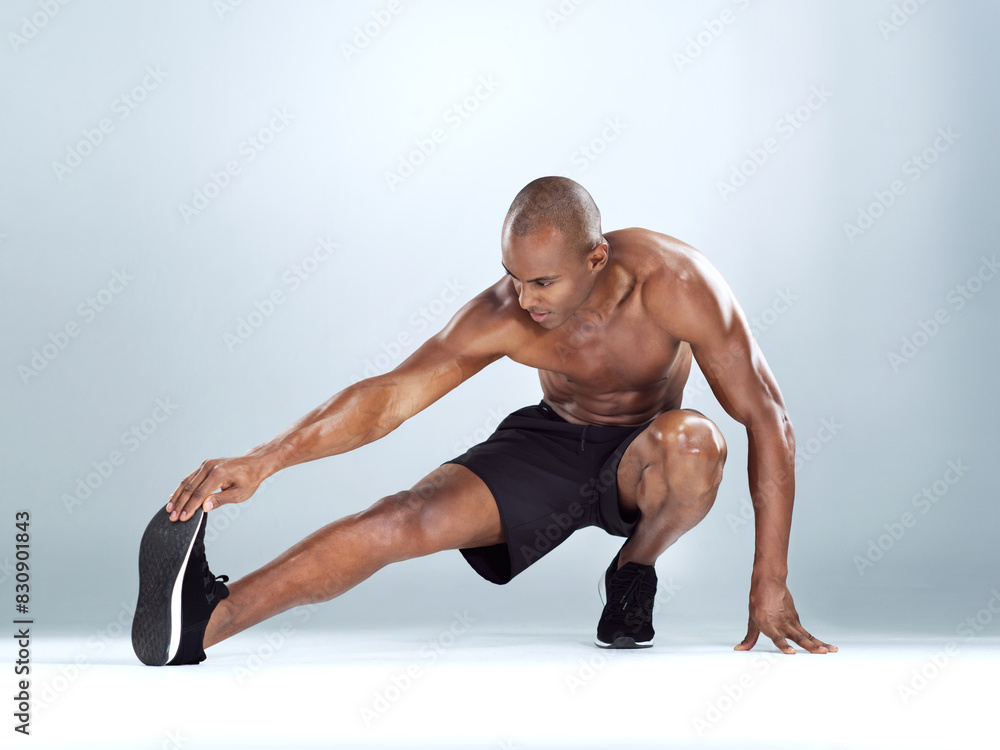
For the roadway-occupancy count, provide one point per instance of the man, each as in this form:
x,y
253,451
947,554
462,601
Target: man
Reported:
x,y
611,323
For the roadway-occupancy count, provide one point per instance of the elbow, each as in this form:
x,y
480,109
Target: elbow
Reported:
x,y
372,401
773,422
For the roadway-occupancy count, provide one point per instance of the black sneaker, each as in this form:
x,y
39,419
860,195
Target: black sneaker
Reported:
x,y
627,619
177,591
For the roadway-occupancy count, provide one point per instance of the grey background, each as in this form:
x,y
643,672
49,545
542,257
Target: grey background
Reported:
x,y
559,77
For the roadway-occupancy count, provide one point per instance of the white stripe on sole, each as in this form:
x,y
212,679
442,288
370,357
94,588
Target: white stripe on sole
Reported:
x,y
175,597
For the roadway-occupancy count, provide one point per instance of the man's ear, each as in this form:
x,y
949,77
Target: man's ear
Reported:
x,y
598,257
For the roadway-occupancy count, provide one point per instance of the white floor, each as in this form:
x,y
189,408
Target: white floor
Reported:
x,y
465,688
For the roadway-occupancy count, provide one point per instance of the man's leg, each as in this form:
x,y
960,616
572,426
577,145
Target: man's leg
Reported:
x,y
669,475
450,508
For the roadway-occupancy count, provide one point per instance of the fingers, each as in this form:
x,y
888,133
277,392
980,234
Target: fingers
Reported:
x,y
175,495
803,639
193,491
751,638
783,646
796,634
814,645
221,498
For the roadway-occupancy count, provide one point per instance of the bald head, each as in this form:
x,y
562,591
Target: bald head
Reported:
x,y
556,203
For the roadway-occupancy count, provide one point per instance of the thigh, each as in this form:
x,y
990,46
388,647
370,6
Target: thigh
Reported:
x,y
455,509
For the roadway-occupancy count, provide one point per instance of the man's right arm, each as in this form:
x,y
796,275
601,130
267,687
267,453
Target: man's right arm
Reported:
x,y
361,413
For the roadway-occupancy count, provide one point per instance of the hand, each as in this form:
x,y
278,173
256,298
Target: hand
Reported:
x,y
238,479
772,612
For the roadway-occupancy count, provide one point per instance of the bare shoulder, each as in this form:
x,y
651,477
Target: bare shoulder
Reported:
x,y
488,324
681,289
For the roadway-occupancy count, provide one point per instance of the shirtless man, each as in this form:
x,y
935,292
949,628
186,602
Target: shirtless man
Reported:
x,y
611,322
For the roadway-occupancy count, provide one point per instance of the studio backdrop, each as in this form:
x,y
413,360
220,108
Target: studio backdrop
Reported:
x,y
216,215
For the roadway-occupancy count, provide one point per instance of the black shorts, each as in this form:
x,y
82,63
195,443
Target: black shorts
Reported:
x,y
549,477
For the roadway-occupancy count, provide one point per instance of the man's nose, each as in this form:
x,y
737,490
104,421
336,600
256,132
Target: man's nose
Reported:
x,y
526,299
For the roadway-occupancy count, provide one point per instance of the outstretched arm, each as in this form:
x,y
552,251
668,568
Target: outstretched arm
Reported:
x,y
706,315
359,414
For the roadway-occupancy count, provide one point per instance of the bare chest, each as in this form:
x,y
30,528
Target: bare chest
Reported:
x,y
625,355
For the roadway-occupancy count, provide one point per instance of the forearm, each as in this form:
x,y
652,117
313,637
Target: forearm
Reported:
x,y
357,415
771,469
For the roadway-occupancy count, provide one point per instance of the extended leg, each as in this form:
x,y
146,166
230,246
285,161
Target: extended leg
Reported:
x,y
448,509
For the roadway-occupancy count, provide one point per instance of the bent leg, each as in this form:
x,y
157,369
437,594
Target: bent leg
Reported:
x,y
669,476
450,508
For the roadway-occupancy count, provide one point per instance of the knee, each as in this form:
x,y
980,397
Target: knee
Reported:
x,y
691,448
396,522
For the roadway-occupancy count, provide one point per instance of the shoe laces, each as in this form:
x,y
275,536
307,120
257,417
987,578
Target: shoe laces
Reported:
x,y
209,579
631,596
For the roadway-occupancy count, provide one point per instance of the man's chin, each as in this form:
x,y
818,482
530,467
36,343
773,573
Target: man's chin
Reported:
x,y
550,321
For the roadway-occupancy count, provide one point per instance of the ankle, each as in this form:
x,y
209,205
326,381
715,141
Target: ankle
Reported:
x,y
218,623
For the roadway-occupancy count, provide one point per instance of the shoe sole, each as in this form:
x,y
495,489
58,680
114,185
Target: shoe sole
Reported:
x,y
163,558
623,641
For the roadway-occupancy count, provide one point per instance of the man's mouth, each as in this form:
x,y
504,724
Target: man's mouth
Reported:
x,y
539,317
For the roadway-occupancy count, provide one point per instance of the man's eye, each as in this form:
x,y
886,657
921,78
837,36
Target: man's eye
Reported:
x,y
543,283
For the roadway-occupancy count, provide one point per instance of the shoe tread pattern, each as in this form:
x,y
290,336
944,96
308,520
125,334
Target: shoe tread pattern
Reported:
x,y
161,555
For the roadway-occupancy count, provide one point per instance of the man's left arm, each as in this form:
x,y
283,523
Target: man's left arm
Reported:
x,y
704,312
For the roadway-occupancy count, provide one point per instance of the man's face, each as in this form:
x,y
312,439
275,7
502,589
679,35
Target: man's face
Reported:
x,y
552,278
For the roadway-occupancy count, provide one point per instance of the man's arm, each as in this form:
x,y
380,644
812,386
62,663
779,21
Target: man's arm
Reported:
x,y
704,312
359,414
